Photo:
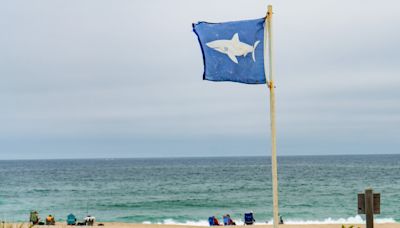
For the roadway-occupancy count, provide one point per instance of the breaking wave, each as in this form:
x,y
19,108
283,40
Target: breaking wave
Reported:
x,y
350,220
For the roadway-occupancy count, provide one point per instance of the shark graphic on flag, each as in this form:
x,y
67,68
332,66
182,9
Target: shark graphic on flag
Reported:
x,y
233,51
233,47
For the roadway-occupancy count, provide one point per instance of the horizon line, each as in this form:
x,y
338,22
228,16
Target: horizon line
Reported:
x,y
197,157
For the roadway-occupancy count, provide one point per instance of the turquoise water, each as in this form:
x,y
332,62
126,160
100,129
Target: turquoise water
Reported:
x,y
189,190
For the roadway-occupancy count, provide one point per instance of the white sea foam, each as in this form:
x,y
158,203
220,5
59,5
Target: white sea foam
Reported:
x,y
192,223
350,220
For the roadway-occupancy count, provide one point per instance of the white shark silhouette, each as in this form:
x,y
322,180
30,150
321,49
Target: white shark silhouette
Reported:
x,y
234,47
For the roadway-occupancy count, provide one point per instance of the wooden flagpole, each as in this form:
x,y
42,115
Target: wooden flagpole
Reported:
x,y
271,86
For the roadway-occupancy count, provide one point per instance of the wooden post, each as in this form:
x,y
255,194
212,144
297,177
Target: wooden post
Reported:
x,y
369,208
271,86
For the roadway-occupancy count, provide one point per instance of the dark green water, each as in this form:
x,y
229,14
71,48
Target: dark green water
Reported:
x,y
189,190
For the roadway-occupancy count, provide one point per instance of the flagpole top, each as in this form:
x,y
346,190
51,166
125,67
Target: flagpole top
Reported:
x,y
269,12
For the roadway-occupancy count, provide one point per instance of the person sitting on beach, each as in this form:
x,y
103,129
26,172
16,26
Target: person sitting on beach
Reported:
x,y
280,219
34,218
228,221
89,220
50,220
225,219
216,222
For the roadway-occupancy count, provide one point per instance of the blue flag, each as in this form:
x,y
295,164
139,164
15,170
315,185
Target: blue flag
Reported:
x,y
233,51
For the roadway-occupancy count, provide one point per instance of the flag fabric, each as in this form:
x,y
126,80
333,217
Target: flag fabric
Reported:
x,y
233,51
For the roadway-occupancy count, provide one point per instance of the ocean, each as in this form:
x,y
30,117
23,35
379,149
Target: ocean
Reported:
x,y
312,189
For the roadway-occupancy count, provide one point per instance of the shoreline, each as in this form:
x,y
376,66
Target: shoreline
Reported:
x,y
135,225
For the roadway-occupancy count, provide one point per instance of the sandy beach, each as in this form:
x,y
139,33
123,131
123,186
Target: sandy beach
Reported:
x,y
131,225
125,225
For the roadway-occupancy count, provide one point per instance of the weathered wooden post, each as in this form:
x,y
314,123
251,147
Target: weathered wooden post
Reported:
x,y
369,208
369,203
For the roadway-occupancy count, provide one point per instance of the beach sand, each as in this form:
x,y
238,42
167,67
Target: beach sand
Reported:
x,y
130,225
124,225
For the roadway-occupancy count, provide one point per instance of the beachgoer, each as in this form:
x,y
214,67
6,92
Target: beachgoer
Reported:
x,y
216,222
50,220
225,219
230,221
34,218
280,219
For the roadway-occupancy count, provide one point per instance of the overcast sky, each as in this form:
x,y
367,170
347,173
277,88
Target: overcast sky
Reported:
x,y
123,78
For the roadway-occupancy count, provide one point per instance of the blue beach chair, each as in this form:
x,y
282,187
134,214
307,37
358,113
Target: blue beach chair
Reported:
x,y
71,219
213,221
249,218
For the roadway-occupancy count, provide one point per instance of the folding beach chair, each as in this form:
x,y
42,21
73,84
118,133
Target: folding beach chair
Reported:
x,y
213,221
249,219
71,219
89,220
